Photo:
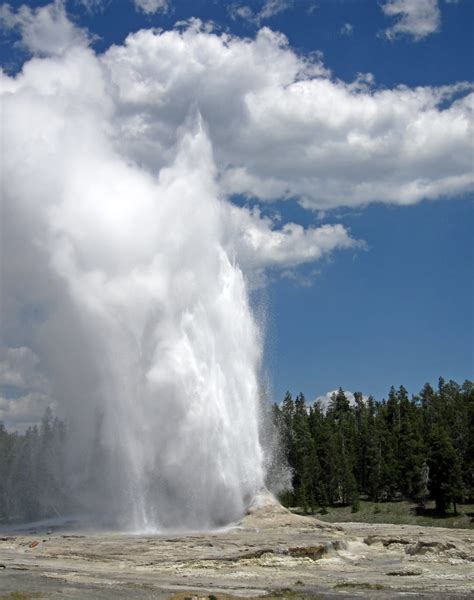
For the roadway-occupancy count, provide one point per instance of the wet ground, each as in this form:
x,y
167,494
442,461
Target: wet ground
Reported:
x,y
271,552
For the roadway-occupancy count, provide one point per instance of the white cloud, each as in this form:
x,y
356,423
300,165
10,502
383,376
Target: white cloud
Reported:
x,y
92,6
150,7
258,244
24,388
25,410
241,11
325,401
280,125
301,279
19,368
347,29
416,18
274,7
45,30
269,9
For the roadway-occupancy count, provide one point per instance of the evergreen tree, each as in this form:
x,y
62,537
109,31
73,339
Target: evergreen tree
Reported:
x,y
445,477
342,421
373,453
303,455
467,465
410,449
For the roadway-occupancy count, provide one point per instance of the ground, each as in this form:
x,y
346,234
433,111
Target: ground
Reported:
x,y
270,553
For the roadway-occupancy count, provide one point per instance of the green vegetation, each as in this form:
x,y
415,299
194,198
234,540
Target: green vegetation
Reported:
x,y
402,512
420,449
21,596
356,585
32,471
283,594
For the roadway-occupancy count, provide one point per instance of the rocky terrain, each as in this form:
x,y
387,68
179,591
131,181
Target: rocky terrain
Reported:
x,y
270,552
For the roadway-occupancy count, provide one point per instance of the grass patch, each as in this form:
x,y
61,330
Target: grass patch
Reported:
x,y
283,594
21,596
361,586
398,513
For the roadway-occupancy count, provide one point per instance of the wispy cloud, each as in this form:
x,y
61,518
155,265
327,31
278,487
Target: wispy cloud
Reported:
x,y
93,6
415,18
347,29
269,9
150,7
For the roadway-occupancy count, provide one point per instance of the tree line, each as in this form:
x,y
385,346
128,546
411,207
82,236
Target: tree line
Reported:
x,y
417,448
33,482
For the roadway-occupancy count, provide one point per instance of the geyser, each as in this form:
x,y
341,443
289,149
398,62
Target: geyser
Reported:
x,y
177,346
181,356
164,400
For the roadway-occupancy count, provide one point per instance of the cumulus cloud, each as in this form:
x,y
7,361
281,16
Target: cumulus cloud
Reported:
x,y
46,30
416,18
150,7
282,127
259,244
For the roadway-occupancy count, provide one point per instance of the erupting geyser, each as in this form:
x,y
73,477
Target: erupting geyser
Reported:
x,y
152,312
178,349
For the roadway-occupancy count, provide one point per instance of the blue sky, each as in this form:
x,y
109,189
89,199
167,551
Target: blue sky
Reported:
x,y
399,313
398,308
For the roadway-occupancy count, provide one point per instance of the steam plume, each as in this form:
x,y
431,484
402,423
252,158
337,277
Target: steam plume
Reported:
x,y
127,282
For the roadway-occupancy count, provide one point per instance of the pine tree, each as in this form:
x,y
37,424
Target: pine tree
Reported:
x,y
318,429
388,435
373,453
342,421
468,455
445,477
287,436
303,455
362,442
410,448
